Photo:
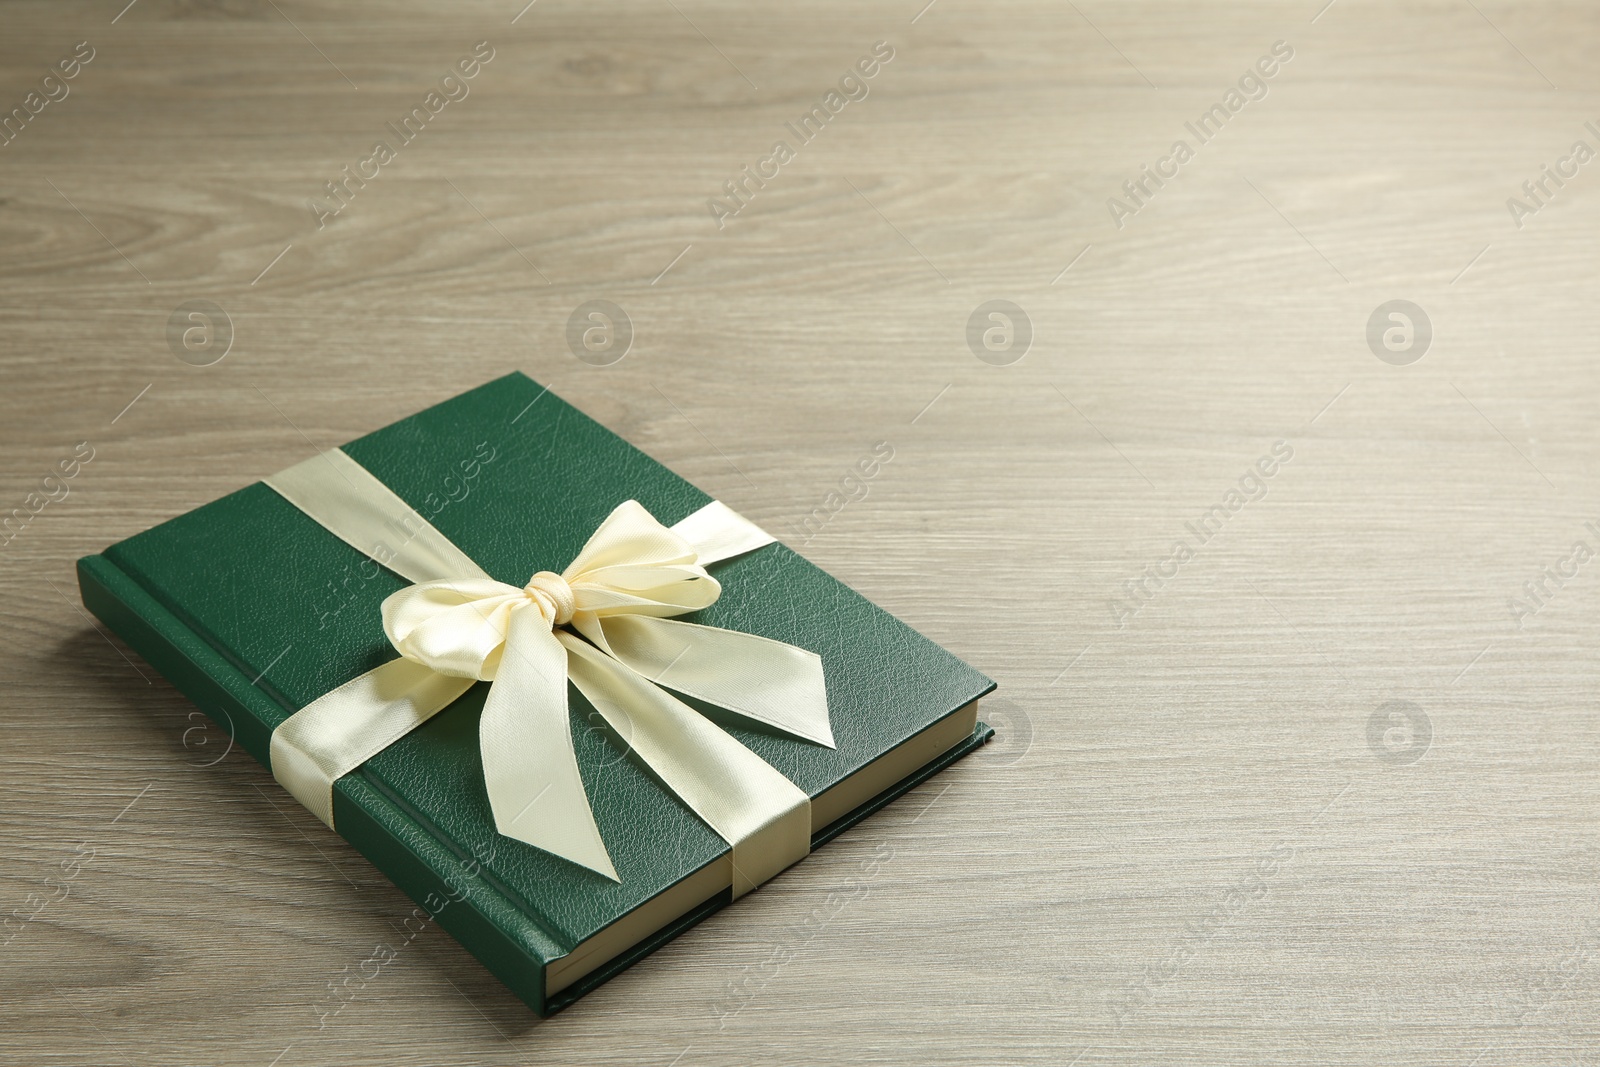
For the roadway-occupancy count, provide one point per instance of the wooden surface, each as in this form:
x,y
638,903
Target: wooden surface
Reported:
x,y
1193,841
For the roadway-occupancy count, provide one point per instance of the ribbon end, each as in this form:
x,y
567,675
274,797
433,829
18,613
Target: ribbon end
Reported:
x,y
599,863
803,709
529,767
573,842
819,732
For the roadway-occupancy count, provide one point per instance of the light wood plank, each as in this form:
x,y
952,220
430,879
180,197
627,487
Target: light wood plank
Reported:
x,y
1062,897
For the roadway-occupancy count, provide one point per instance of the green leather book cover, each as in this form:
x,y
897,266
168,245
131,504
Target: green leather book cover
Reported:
x,y
253,610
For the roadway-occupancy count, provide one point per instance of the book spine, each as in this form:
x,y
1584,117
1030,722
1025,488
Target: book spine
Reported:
x,y
506,938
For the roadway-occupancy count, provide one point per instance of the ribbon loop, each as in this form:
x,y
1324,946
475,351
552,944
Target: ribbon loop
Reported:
x,y
455,627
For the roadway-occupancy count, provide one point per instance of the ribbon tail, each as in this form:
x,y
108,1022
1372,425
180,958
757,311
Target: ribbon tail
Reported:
x,y
764,817
765,680
529,764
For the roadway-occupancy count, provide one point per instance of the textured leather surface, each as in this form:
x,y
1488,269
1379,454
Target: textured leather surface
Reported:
x,y
273,592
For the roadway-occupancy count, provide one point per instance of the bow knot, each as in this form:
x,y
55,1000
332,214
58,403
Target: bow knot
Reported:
x,y
553,597
632,566
606,625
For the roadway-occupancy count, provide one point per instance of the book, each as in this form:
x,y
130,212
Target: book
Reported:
x,y
253,610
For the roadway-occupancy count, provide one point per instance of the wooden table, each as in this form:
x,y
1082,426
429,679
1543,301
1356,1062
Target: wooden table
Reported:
x,y
1317,788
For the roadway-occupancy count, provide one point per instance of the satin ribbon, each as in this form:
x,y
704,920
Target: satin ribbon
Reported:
x,y
604,624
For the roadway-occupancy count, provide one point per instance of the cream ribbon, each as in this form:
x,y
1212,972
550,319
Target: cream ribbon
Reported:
x,y
457,625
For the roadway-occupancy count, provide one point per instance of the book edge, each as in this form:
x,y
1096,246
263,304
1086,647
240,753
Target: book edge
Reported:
x,y
981,735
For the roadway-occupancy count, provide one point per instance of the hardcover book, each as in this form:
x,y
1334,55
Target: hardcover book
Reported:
x,y
253,610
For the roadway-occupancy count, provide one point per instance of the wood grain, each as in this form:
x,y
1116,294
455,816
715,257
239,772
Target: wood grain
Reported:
x,y
1187,844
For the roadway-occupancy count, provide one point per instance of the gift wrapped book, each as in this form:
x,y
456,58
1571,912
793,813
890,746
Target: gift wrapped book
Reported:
x,y
561,697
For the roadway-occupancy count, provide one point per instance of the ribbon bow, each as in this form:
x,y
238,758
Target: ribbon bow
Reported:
x,y
457,625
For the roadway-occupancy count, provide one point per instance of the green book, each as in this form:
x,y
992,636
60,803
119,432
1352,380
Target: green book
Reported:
x,y
253,610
